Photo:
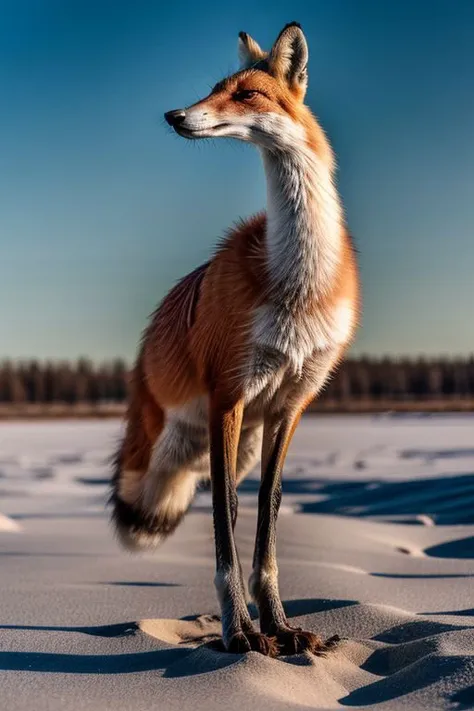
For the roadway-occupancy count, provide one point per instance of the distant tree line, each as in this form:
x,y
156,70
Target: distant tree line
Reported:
x,y
372,379
403,379
63,382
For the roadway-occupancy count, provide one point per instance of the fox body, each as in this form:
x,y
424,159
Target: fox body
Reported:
x,y
240,346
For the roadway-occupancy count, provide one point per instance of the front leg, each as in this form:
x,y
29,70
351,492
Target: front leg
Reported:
x,y
263,584
237,630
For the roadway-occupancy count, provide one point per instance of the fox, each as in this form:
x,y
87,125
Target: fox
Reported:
x,y
239,347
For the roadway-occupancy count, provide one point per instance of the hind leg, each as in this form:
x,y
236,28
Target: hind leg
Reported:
x,y
264,579
237,630
158,498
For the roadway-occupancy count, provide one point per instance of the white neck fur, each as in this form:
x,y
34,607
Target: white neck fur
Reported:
x,y
304,218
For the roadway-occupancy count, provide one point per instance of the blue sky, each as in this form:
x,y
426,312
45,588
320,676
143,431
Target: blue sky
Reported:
x,y
102,209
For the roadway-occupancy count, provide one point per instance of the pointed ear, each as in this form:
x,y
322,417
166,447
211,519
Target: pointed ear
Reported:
x,y
288,58
250,51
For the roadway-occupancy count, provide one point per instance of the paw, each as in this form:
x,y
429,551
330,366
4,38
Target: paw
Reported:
x,y
296,641
251,641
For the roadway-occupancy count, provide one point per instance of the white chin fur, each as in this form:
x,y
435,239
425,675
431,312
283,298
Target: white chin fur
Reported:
x,y
269,130
229,131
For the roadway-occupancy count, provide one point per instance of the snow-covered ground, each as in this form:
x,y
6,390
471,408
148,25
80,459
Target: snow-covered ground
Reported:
x,y
376,543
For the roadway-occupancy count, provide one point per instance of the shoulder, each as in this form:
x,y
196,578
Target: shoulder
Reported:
x,y
246,235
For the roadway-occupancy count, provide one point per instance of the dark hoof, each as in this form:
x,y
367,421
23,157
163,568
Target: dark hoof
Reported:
x,y
296,641
243,642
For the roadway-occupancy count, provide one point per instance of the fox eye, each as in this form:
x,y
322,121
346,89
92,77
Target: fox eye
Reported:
x,y
245,94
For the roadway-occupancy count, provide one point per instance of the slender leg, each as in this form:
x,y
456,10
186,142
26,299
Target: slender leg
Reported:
x,y
237,630
263,584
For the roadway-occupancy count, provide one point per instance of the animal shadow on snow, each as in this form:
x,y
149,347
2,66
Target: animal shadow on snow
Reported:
x,y
448,500
183,661
178,661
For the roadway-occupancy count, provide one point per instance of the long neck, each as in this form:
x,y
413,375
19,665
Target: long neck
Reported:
x,y
304,218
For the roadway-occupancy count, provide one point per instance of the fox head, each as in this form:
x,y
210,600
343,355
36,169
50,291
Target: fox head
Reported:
x,y
262,103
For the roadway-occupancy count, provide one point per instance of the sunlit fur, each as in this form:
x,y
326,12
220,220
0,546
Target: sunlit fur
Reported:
x,y
284,280
261,326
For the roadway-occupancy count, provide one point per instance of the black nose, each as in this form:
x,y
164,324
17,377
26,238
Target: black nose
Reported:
x,y
174,118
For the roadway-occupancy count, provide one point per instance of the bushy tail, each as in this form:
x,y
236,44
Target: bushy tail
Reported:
x,y
136,527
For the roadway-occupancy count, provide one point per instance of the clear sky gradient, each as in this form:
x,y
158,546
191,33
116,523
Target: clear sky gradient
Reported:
x,y
102,209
